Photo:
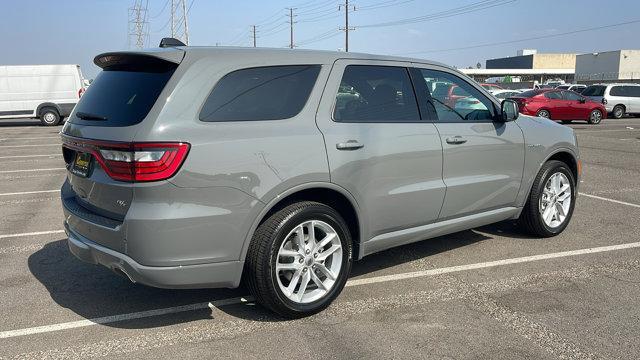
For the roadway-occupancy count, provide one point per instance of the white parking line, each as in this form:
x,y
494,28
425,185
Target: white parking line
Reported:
x,y
32,145
31,138
29,192
611,200
5,236
355,282
31,170
28,156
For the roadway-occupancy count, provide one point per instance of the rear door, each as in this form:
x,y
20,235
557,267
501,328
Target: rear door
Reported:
x,y
378,147
483,159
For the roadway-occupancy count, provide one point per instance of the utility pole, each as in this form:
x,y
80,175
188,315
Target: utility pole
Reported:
x,y
346,27
253,27
179,21
291,22
138,23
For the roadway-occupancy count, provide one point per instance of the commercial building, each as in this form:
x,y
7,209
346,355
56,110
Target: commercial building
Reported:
x,y
531,59
608,66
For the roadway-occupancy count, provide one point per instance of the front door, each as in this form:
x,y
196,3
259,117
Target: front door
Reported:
x,y
483,159
378,147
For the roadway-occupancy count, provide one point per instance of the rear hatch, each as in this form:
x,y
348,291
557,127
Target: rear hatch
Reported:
x,y
102,159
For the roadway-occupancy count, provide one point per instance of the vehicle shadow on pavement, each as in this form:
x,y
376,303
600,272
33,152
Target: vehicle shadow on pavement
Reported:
x,y
16,122
93,291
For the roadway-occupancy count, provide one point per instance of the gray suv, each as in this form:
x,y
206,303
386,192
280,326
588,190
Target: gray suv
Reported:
x,y
193,167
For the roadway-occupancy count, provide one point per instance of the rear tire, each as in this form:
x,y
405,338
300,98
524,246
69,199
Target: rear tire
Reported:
x,y
595,117
545,196
618,111
567,121
276,259
49,117
544,114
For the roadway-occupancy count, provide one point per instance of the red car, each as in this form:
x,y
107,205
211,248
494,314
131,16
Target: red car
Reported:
x,y
561,105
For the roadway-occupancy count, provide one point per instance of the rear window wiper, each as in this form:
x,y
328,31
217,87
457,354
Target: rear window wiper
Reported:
x,y
89,116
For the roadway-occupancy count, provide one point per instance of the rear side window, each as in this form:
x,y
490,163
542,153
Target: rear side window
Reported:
x,y
594,90
554,95
261,93
122,95
633,91
618,91
370,93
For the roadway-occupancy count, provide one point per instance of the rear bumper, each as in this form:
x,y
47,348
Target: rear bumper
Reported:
x,y
211,275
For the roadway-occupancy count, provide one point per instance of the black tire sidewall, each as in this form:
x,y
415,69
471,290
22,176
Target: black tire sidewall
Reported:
x,y
52,111
331,217
621,113
555,166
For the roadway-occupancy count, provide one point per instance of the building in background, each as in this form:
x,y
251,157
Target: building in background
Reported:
x,y
616,65
531,59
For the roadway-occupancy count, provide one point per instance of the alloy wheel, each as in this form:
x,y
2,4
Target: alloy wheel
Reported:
x,y
309,261
595,117
555,201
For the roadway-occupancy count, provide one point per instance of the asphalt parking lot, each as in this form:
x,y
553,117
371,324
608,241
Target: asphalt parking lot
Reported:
x,y
490,292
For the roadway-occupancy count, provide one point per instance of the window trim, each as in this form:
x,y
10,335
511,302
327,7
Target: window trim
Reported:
x,y
483,92
217,82
420,119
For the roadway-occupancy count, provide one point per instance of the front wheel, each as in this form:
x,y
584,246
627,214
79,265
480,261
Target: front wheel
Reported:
x,y
595,117
49,117
551,201
299,259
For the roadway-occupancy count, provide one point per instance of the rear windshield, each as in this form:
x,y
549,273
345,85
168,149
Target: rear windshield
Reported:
x,y
123,95
528,94
594,90
262,93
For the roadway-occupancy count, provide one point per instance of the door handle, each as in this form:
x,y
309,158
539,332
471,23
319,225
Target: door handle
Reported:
x,y
456,140
349,145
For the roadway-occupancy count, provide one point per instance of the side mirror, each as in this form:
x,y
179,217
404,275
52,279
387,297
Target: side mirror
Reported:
x,y
582,100
509,110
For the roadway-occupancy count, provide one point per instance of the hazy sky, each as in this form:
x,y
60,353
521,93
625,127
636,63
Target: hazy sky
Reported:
x,y
74,31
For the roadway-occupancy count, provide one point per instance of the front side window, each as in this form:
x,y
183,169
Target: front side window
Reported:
x,y
454,99
375,94
618,91
262,93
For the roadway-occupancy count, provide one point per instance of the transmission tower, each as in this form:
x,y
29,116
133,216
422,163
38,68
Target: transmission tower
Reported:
x,y
138,24
179,22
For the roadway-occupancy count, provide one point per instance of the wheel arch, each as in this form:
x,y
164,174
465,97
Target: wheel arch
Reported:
x,y
47,105
327,193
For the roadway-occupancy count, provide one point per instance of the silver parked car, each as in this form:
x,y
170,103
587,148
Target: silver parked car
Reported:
x,y
618,99
192,167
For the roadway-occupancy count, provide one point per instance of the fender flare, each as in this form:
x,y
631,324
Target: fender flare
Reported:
x,y
306,186
45,105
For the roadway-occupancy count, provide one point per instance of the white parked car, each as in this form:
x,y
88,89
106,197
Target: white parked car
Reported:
x,y
579,88
618,99
47,92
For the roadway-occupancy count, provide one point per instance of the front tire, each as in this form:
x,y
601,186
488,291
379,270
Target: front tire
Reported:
x,y
299,259
49,117
595,117
567,121
551,201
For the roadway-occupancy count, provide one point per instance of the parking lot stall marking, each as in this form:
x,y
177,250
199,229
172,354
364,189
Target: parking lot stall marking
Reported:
x,y
5,236
354,282
610,200
31,170
28,156
30,138
29,192
30,145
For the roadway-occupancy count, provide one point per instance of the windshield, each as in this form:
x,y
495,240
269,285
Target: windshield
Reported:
x,y
594,90
121,97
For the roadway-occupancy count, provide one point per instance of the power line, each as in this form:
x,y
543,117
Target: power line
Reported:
x,y
477,6
383,4
161,11
525,39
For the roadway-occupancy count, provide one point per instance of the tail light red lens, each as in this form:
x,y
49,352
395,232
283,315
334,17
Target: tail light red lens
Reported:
x,y
134,162
80,92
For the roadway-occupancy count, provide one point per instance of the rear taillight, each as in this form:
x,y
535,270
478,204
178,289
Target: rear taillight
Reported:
x,y
604,101
134,162
80,92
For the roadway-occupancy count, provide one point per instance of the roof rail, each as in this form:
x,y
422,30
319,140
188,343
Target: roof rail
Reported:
x,y
171,42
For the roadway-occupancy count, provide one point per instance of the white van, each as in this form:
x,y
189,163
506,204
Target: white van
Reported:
x,y
618,99
47,92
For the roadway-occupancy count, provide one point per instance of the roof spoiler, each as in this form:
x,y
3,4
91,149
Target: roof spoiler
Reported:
x,y
171,42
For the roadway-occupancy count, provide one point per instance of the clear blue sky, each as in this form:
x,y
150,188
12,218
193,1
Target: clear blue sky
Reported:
x,y
74,31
